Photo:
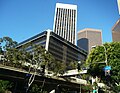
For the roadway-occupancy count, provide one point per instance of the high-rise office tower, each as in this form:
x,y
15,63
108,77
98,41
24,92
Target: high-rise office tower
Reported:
x,y
65,21
87,38
116,32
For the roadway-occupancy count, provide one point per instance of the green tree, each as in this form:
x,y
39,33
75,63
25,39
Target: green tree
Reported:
x,y
43,57
58,67
11,56
1,50
8,43
98,55
7,48
35,88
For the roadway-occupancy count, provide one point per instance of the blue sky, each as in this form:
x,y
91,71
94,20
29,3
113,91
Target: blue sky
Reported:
x,y
21,19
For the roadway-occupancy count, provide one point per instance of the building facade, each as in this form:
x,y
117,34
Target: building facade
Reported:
x,y
61,49
83,43
65,21
116,32
89,37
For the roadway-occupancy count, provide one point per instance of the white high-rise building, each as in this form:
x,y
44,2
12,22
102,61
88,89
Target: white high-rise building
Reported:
x,y
65,21
118,1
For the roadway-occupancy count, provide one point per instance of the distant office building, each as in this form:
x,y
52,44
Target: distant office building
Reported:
x,y
116,32
65,21
88,38
61,49
83,43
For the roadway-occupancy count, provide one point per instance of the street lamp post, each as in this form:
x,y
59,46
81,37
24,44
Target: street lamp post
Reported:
x,y
105,55
104,52
78,67
106,68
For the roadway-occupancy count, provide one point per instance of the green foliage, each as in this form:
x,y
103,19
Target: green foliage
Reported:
x,y
4,85
8,43
1,51
37,56
36,89
86,88
97,55
72,64
58,67
117,89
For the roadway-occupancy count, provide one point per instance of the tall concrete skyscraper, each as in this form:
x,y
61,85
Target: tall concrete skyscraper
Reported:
x,y
65,21
87,38
116,32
